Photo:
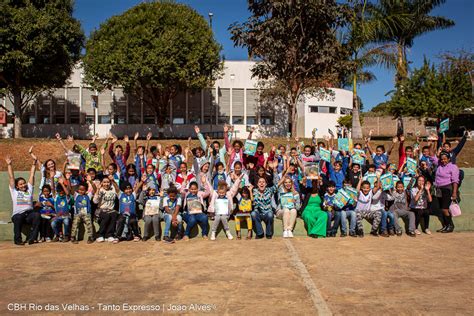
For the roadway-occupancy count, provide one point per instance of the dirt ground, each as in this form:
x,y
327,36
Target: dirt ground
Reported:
x,y
49,148
371,276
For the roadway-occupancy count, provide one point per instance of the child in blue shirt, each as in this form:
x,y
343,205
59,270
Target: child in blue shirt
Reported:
x,y
82,209
46,207
127,211
329,206
63,215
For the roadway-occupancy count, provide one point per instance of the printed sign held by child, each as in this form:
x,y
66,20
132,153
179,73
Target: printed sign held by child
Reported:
x,y
250,147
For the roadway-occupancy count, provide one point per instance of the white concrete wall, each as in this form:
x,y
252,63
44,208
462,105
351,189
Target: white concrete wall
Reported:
x,y
324,121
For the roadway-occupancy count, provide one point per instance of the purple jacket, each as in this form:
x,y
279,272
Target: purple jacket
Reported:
x,y
446,175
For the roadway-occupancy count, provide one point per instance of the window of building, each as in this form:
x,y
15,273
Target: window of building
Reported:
x,y
322,109
134,110
345,111
267,113
210,104
238,106
104,108
59,106
252,104
119,106
72,105
223,106
89,119
104,119
194,107
87,108
43,104
179,108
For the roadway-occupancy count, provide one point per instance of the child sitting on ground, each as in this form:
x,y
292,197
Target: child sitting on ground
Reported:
x,y
221,205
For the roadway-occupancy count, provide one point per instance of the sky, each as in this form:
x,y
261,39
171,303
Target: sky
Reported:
x,y
92,13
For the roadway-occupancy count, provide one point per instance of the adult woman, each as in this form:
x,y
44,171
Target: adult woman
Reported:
x,y
420,199
314,217
49,173
446,182
263,210
288,204
22,197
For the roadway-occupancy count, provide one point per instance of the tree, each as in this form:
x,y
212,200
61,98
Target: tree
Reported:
x,y
154,50
416,12
40,42
295,45
363,52
442,91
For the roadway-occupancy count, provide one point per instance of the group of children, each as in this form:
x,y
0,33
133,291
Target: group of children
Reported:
x,y
332,187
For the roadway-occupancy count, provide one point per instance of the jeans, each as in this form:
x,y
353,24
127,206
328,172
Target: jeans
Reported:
x,y
383,222
337,221
408,217
168,218
267,218
28,217
193,219
343,215
58,222
154,221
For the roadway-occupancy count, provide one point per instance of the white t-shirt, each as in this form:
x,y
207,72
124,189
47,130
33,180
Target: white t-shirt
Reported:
x,y
22,200
364,201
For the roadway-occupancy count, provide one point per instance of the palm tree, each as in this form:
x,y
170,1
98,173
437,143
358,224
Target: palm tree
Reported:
x,y
363,52
416,13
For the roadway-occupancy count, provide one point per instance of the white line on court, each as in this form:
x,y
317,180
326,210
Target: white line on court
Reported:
x,y
318,301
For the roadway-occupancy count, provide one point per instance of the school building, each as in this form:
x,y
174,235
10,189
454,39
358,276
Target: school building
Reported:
x,y
234,99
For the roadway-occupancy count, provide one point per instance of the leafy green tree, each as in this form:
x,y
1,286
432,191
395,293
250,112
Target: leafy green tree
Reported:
x,y
442,91
295,45
359,42
40,42
154,50
417,14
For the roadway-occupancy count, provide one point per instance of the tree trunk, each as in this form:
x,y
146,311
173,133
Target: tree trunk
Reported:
x,y
402,72
356,127
17,133
294,119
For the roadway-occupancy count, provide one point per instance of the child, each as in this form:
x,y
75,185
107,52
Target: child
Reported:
x,y
127,213
171,209
82,209
151,213
330,207
337,174
94,159
105,197
184,177
364,201
289,203
140,154
347,212
219,175
244,208
378,205
46,205
118,156
22,197
400,209
380,157
63,216
419,202
194,208
221,205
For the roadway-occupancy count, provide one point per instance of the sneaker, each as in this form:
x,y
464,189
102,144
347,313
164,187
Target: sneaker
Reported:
x,y
352,234
229,235
100,239
384,234
213,235
290,234
186,238
417,232
115,241
168,240
145,238
427,231
66,239
48,239
110,239
205,237
398,232
136,238
285,234
74,240
411,234
19,243
90,240
391,232
343,234
56,239
374,233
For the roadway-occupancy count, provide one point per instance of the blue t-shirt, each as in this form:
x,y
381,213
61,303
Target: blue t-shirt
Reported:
x,y
82,203
61,205
46,209
127,204
380,160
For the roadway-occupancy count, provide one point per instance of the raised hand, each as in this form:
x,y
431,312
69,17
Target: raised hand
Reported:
x,y
70,138
226,128
8,160
149,135
428,186
58,136
102,151
402,138
125,138
61,180
196,129
94,138
88,178
395,139
144,178
135,137
114,138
